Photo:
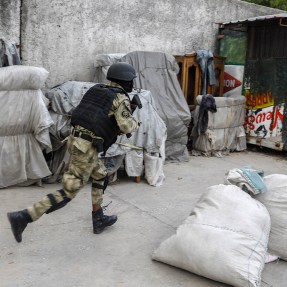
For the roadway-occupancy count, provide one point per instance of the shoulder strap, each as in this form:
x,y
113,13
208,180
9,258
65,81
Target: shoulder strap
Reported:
x,y
114,89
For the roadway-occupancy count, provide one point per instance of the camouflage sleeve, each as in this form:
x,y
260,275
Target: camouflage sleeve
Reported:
x,y
126,121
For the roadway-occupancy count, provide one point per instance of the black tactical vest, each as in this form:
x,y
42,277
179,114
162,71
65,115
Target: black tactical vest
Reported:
x,y
92,113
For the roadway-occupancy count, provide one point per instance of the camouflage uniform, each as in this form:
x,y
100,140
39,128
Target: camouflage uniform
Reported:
x,y
85,162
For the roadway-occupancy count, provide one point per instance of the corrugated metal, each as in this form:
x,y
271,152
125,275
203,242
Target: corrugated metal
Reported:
x,y
257,19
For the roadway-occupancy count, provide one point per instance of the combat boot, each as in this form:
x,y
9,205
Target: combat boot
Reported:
x,y
100,221
18,221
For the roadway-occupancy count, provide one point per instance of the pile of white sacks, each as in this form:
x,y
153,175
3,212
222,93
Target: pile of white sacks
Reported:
x,y
229,234
24,129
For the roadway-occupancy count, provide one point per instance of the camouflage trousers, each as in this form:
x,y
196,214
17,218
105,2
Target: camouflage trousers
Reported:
x,y
84,163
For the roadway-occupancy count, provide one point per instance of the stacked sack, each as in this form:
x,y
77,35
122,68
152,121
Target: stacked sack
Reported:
x,y
25,122
275,200
224,239
221,131
233,230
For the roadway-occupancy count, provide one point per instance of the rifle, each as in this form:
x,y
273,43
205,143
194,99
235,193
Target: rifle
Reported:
x,y
136,102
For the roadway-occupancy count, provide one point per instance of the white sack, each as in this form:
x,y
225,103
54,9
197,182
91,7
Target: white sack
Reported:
x,y
24,125
225,131
225,238
134,162
24,132
153,164
18,77
275,200
154,169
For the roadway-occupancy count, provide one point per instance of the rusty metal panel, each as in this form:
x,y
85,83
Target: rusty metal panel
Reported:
x,y
257,19
267,42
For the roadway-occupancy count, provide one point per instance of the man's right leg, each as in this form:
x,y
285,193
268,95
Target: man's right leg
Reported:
x,y
79,170
20,219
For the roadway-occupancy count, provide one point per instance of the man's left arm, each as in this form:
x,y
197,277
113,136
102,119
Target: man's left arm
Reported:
x,y
126,121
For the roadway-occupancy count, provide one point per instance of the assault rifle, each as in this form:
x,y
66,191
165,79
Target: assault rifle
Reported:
x,y
136,102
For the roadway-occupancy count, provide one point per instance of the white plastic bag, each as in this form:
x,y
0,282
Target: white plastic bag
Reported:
x,y
153,169
18,77
224,238
134,162
275,200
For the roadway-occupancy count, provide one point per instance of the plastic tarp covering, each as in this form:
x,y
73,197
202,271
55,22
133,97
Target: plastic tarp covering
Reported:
x,y
25,122
146,147
149,138
225,131
102,63
157,73
63,99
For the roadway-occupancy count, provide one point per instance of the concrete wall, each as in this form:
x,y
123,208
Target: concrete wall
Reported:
x,y
10,20
65,36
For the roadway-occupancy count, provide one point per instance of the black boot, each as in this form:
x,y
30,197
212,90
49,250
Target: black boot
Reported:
x,y
19,221
100,221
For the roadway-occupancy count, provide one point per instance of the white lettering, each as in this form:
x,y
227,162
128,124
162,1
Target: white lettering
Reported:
x,y
229,83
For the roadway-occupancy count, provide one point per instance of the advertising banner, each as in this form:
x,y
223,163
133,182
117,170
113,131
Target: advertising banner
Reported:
x,y
263,118
233,79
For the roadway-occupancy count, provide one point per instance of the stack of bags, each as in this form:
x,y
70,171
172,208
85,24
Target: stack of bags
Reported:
x,y
224,131
24,129
230,234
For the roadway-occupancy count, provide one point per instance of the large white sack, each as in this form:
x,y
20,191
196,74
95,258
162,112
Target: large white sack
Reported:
x,y
18,77
224,238
24,132
275,200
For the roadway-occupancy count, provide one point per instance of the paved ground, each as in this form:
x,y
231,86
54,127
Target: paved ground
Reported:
x,y
60,249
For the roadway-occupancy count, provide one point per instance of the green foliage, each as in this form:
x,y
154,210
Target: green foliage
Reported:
x,y
279,4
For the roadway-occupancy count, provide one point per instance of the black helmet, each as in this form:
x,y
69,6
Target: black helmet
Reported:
x,y
121,71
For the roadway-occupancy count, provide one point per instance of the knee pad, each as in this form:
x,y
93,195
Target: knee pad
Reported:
x,y
105,184
57,205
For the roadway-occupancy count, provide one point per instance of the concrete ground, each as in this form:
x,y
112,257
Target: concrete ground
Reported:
x,y
60,249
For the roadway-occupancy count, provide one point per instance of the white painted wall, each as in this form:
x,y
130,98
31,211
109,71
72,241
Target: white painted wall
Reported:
x,y
64,36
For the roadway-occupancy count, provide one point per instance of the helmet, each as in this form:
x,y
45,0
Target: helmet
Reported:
x,y
121,71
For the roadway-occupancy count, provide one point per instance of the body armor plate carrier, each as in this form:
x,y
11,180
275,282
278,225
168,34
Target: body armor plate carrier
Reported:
x,y
92,113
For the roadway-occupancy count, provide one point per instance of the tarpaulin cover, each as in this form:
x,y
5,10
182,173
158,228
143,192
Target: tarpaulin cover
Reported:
x,y
25,122
151,132
157,72
102,63
150,136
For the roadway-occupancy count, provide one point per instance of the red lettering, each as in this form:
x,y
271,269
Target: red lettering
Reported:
x,y
259,100
265,99
249,122
260,118
269,116
278,115
253,100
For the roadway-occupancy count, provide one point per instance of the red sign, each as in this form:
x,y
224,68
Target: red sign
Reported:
x,y
230,83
